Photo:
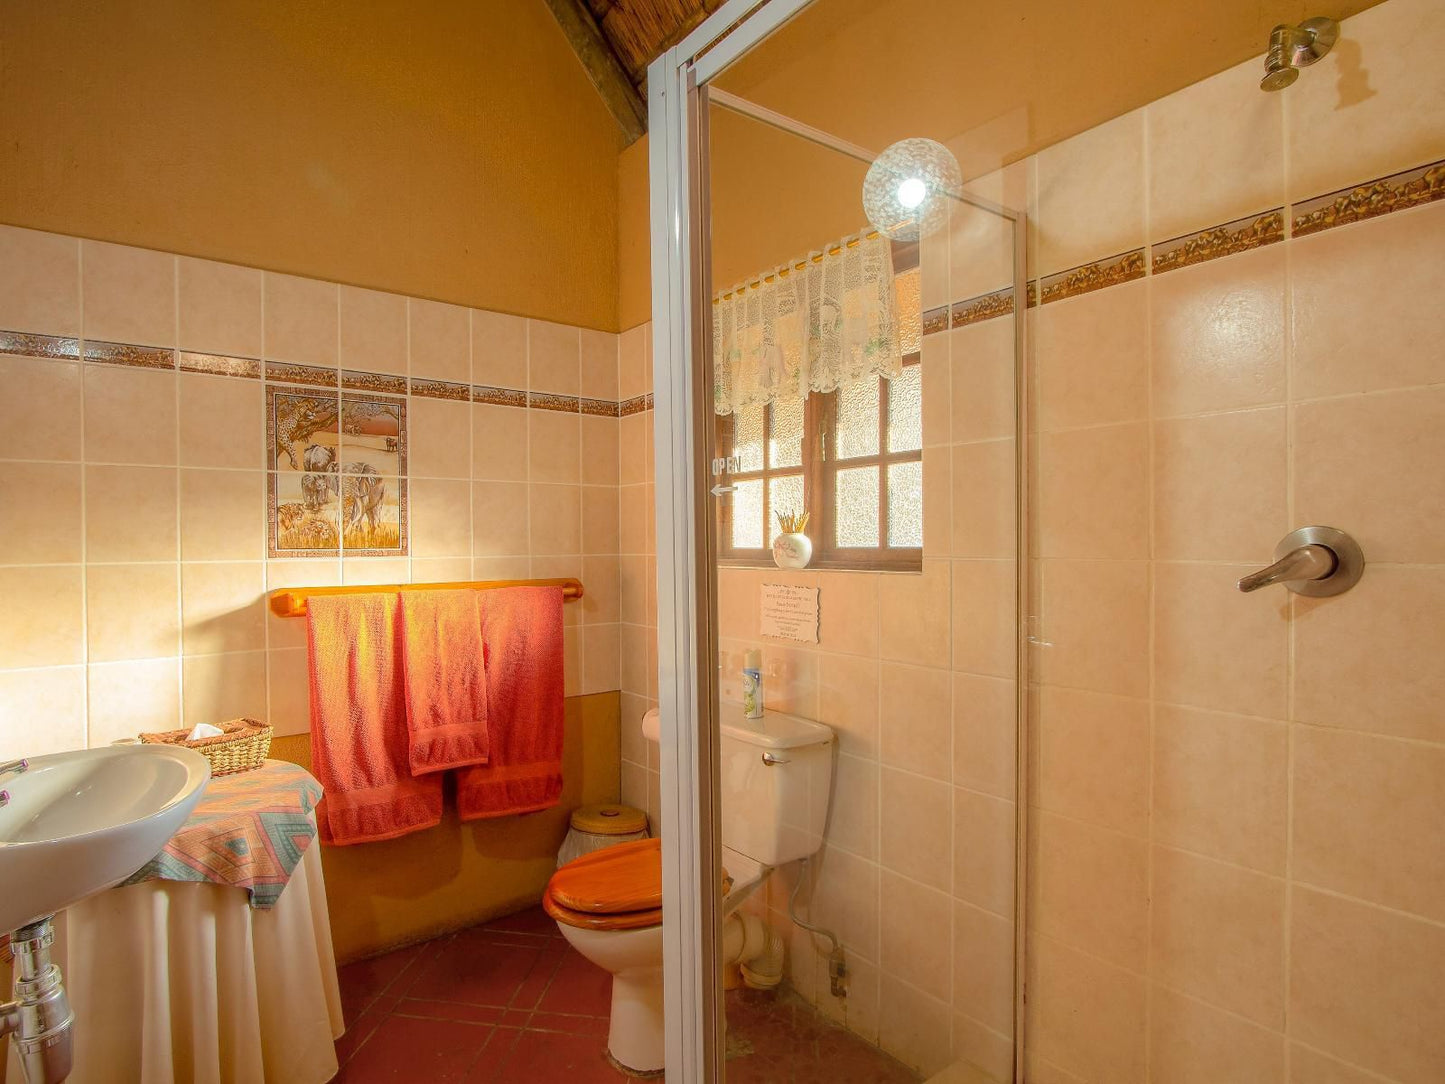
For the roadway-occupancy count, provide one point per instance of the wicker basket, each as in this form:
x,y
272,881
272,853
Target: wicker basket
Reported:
x,y
243,745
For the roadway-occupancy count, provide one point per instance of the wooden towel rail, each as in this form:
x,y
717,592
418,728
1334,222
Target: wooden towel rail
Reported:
x,y
291,601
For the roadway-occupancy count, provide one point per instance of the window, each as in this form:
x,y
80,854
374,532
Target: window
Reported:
x,y
852,458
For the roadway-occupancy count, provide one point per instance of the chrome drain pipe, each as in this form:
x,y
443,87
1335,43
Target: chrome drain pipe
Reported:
x,y
38,1021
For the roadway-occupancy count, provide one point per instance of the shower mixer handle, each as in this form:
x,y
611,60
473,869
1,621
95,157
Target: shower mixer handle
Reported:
x,y
1314,561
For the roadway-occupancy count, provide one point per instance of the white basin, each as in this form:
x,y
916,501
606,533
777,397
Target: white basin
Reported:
x,y
80,822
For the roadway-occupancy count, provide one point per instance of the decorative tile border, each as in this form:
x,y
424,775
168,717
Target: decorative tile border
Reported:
x,y
935,320
217,365
137,357
441,389
636,405
984,307
355,380
56,347
1238,236
1113,271
601,408
1412,188
541,400
286,372
498,396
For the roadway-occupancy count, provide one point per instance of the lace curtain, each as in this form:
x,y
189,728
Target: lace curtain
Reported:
x,y
825,326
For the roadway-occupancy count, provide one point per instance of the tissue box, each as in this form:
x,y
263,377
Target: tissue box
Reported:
x,y
242,745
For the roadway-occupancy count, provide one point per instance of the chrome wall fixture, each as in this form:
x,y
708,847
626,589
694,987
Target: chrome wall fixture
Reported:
x,y
1294,47
1315,561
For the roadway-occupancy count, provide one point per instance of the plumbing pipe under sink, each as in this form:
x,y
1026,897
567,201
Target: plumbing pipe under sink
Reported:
x,y
755,947
39,1020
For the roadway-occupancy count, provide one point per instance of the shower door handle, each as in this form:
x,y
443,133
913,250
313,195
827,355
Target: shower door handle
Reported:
x,y
1316,561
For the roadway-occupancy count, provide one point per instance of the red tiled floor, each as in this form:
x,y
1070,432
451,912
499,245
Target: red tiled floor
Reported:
x,y
512,1003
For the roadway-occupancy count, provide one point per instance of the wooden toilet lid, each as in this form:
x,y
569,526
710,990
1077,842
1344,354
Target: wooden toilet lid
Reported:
x,y
626,877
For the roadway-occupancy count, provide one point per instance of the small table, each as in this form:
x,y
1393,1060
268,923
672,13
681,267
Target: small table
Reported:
x,y
178,982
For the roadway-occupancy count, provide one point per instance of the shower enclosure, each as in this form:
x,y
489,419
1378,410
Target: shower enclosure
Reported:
x,y
1169,318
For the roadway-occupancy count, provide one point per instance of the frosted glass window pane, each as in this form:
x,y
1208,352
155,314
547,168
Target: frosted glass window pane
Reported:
x,y
748,437
856,507
785,439
905,504
857,421
748,515
907,289
905,410
785,494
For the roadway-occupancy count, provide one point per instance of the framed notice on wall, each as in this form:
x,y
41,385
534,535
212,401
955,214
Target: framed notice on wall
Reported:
x,y
790,613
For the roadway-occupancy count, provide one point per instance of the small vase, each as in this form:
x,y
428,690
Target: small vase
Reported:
x,y
792,550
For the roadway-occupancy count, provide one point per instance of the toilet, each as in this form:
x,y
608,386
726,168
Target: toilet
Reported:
x,y
776,775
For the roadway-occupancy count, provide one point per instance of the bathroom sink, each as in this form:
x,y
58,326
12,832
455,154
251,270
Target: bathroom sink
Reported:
x,y
80,822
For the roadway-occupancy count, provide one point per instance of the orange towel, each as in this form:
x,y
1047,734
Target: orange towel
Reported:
x,y
358,722
522,630
446,682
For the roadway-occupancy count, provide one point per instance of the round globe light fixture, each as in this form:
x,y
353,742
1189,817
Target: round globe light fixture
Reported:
x,y
905,194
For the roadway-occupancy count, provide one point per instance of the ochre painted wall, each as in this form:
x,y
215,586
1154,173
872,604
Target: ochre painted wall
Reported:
x,y
382,895
450,149
634,262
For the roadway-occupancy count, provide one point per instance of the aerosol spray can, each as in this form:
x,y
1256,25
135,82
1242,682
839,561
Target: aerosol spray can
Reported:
x,y
753,684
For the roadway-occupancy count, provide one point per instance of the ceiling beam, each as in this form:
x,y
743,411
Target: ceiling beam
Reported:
x,y
603,68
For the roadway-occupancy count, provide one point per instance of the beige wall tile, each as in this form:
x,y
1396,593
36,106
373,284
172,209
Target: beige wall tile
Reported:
x,y
40,413
1217,932
373,331
1092,194
130,698
914,827
45,623
599,364
1216,153
600,524
983,504
634,432
223,515
439,438
913,1027
556,519
1193,1043
737,597
501,568
1093,758
982,1050
499,519
288,699
41,711
1089,888
220,307
632,658
287,632
555,441
499,443
1214,647
131,514
40,510
1096,623
1367,817
984,623
981,252
911,921
499,350
985,733
1091,357
635,526
1218,334
938,497
441,518
790,680
916,727
1375,464
1362,299
302,322
600,458
913,616
600,671
216,688
442,569
633,375
937,393
1220,485
1364,986
600,581
1085,1016
132,612
1369,659
130,415
39,282
1308,1066
439,340
1368,110
223,607
983,966
848,612
222,422
854,825
981,380
983,850
1094,493
554,358
848,701
130,294
1221,786
374,570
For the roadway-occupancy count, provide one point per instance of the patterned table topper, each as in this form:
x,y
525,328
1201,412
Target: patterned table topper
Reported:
x,y
249,830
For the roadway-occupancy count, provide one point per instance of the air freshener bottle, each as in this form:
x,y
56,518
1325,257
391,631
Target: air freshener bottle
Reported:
x,y
753,684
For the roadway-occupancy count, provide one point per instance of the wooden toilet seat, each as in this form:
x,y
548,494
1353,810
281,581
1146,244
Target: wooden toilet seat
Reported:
x,y
616,888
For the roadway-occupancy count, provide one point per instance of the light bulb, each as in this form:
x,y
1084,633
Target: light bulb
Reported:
x,y
912,192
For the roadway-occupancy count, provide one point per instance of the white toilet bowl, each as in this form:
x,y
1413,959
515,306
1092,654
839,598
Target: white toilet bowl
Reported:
x,y
634,957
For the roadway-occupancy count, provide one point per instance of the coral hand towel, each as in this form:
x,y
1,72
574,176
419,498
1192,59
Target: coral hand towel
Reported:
x,y
522,631
359,741
446,681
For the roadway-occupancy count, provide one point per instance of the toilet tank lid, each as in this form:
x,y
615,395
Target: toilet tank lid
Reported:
x,y
775,730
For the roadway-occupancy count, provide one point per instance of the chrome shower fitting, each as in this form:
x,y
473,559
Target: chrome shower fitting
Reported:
x,y
1294,47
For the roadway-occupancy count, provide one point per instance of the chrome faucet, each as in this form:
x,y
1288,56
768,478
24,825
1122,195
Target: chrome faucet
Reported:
x,y
14,767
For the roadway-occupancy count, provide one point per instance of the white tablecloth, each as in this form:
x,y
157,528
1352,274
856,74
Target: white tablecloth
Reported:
x,y
180,983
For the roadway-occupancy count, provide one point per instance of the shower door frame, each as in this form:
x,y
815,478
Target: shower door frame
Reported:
x,y
678,102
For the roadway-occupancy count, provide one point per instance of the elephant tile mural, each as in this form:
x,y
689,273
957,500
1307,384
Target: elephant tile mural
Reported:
x,y
337,473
